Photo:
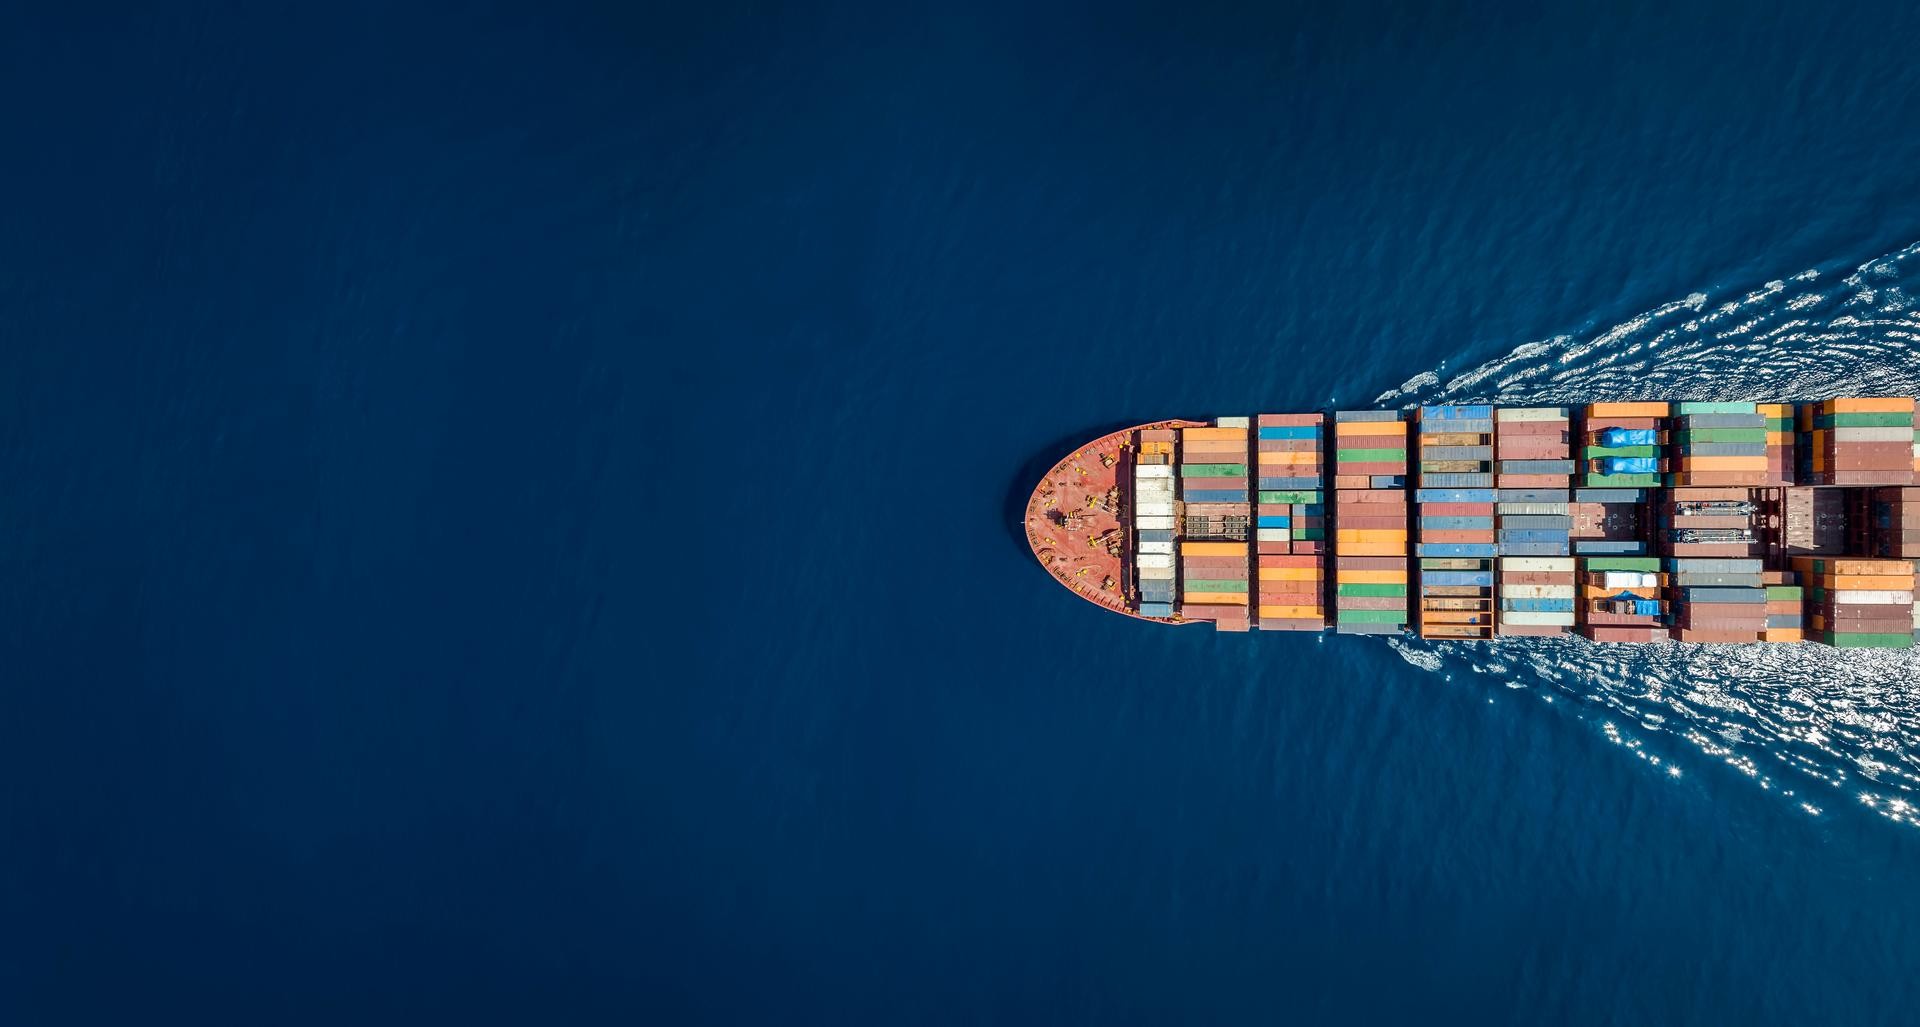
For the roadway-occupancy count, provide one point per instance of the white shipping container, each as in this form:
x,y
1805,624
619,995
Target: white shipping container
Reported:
x,y
1153,471
1536,591
1155,523
1156,548
1156,487
1521,617
1156,509
1872,598
1872,434
1155,560
1530,414
1233,422
1273,534
1536,564
1532,509
1155,573
1628,579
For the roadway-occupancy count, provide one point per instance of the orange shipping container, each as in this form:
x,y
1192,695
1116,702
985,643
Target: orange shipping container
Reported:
x,y
1871,405
1370,428
1627,410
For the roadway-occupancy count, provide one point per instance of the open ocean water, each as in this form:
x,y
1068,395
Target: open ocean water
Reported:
x,y
512,513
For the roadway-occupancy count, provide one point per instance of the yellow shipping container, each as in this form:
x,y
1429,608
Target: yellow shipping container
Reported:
x,y
1212,434
1782,635
1238,449
1351,577
1866,582
1870,405
1290,459
1215,598
1779,438
1627,410
1370,428
1371,535
1213,549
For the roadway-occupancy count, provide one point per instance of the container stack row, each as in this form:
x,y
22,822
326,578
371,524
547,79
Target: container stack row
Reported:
x,y
1216,528
1711,522
1858,604
1370,522
1534,447
1895,534
1214,579
1717,444
1153,524
1621,599
1786,607
1290,531
1858,442
1369,450
1621,445
1457,542
1536,595
1780,464
1456,447
1718,600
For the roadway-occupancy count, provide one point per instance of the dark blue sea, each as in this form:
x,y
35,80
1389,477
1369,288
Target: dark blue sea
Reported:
x,y
511,513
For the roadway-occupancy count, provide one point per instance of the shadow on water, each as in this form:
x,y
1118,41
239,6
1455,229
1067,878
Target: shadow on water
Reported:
x,y
1013,509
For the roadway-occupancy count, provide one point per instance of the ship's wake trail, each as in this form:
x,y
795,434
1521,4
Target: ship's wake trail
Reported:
x,y
1827,729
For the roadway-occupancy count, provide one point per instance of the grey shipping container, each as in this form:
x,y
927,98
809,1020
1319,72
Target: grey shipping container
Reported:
x,y
1367,415
1536,467
1533,495
1609,495
1456,481
1531,522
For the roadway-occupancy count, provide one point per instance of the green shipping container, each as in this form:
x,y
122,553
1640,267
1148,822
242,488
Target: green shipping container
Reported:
x,y
1625,481
1779,424
1621,563
1216,585
1370,456
1372,591
1310,534
1371,616
1213,470
1785,592
1290,497
1596,452
1862,640
1864,421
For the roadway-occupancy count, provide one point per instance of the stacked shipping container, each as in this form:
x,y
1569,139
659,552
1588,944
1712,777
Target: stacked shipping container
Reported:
x,y
1786,607
1621,599
1290,532
1858,604
1370,522
1621,444
1215,530
1536,595
1153,524
1534,446
1779,421
1716,600
1895,533
1717,444
1457,538
1859,441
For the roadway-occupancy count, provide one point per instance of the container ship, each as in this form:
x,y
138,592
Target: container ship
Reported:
x,y
1619,522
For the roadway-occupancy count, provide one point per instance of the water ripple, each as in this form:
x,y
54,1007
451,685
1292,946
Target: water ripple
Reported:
x,y
1811,724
